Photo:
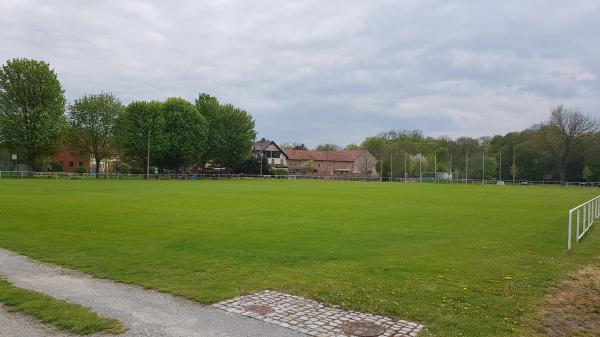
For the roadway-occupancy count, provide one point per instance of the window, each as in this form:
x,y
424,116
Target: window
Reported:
x,y
71,163
80,163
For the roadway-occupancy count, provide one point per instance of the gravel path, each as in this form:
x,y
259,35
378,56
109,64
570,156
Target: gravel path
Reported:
x,y
143,312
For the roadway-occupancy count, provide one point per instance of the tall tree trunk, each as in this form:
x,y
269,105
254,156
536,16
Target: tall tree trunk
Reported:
x,y
97,169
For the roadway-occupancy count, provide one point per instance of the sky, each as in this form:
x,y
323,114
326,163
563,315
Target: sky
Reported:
x,y
332,71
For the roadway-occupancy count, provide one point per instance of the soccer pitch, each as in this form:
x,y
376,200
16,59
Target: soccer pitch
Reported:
x,y
470,260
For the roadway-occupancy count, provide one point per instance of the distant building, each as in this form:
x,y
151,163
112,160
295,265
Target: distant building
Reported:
x,y
276,157
72,159
353,162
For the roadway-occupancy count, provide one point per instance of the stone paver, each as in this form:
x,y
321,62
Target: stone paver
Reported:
x,y
313,318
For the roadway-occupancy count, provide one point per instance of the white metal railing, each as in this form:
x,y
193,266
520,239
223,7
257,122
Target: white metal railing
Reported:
x,y
585,215
221,176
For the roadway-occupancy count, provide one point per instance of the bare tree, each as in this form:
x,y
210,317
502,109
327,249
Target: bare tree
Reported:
x,y
571,127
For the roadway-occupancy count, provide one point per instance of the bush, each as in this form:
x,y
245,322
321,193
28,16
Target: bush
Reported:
x,y
81,170
279,171
124,168
56,167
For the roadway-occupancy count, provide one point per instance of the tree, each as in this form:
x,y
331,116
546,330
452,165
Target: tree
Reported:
x,y
328,147
569,128
32,106
230,131
586,174
309,166
185,132
139,132
91,123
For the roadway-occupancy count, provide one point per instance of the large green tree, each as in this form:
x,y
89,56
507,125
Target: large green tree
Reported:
x,y
140,132
91,122
32,106
567,130
230,132
185,132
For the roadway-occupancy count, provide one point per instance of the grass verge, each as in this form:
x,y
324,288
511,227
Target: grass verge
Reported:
x,y
65,316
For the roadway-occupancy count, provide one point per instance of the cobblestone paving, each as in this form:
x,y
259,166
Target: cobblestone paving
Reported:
x,y
313,318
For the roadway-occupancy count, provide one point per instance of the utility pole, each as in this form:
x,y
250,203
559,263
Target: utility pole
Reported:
x,y
467,169
500,166
514,167
405,173
420,168
391,166
435,166
450,168
483,169
147,157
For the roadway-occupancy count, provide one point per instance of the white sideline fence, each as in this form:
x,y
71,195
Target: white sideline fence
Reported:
x,y
223,176
585,214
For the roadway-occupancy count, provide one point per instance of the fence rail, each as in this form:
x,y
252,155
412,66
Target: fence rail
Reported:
x,y
585,214
217,176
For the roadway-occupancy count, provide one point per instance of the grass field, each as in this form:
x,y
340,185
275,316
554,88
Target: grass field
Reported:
x,y
463,260
65,316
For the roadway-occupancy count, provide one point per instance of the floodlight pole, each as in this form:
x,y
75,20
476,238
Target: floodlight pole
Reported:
x,y
435,166
500,166
420,168
405,173
147,157
467,168
514,165
261,162
483,169
450,168
391,166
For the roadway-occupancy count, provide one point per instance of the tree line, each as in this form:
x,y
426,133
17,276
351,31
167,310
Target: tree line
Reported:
x,y
175,134
171,135
566,147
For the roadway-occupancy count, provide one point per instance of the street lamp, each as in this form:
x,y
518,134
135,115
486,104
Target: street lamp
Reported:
x,y
514,165
148,157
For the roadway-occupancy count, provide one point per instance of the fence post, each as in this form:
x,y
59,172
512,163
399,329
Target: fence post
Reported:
x,y
570,224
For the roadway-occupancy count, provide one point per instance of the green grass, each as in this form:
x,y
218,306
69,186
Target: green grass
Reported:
x,y
65,316
463,260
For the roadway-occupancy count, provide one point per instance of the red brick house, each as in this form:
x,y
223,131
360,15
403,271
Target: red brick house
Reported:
x,y
72,159
353,162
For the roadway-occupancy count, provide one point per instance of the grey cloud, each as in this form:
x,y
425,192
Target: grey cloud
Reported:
x,y
335,71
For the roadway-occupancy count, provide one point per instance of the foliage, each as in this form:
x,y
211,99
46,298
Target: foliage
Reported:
x,y
586,174
252,165
141,126
537,152
309,166
278,171
32,108
185,132
91,123
65,316
56,167
230,132
329,147
465,260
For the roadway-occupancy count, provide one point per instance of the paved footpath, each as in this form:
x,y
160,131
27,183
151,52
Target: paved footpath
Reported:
x,y
143,312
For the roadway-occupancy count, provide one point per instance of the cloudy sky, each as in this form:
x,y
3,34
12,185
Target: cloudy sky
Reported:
x,y
326,71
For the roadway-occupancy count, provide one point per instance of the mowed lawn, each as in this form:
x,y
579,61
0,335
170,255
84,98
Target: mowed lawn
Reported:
x,y
463,260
